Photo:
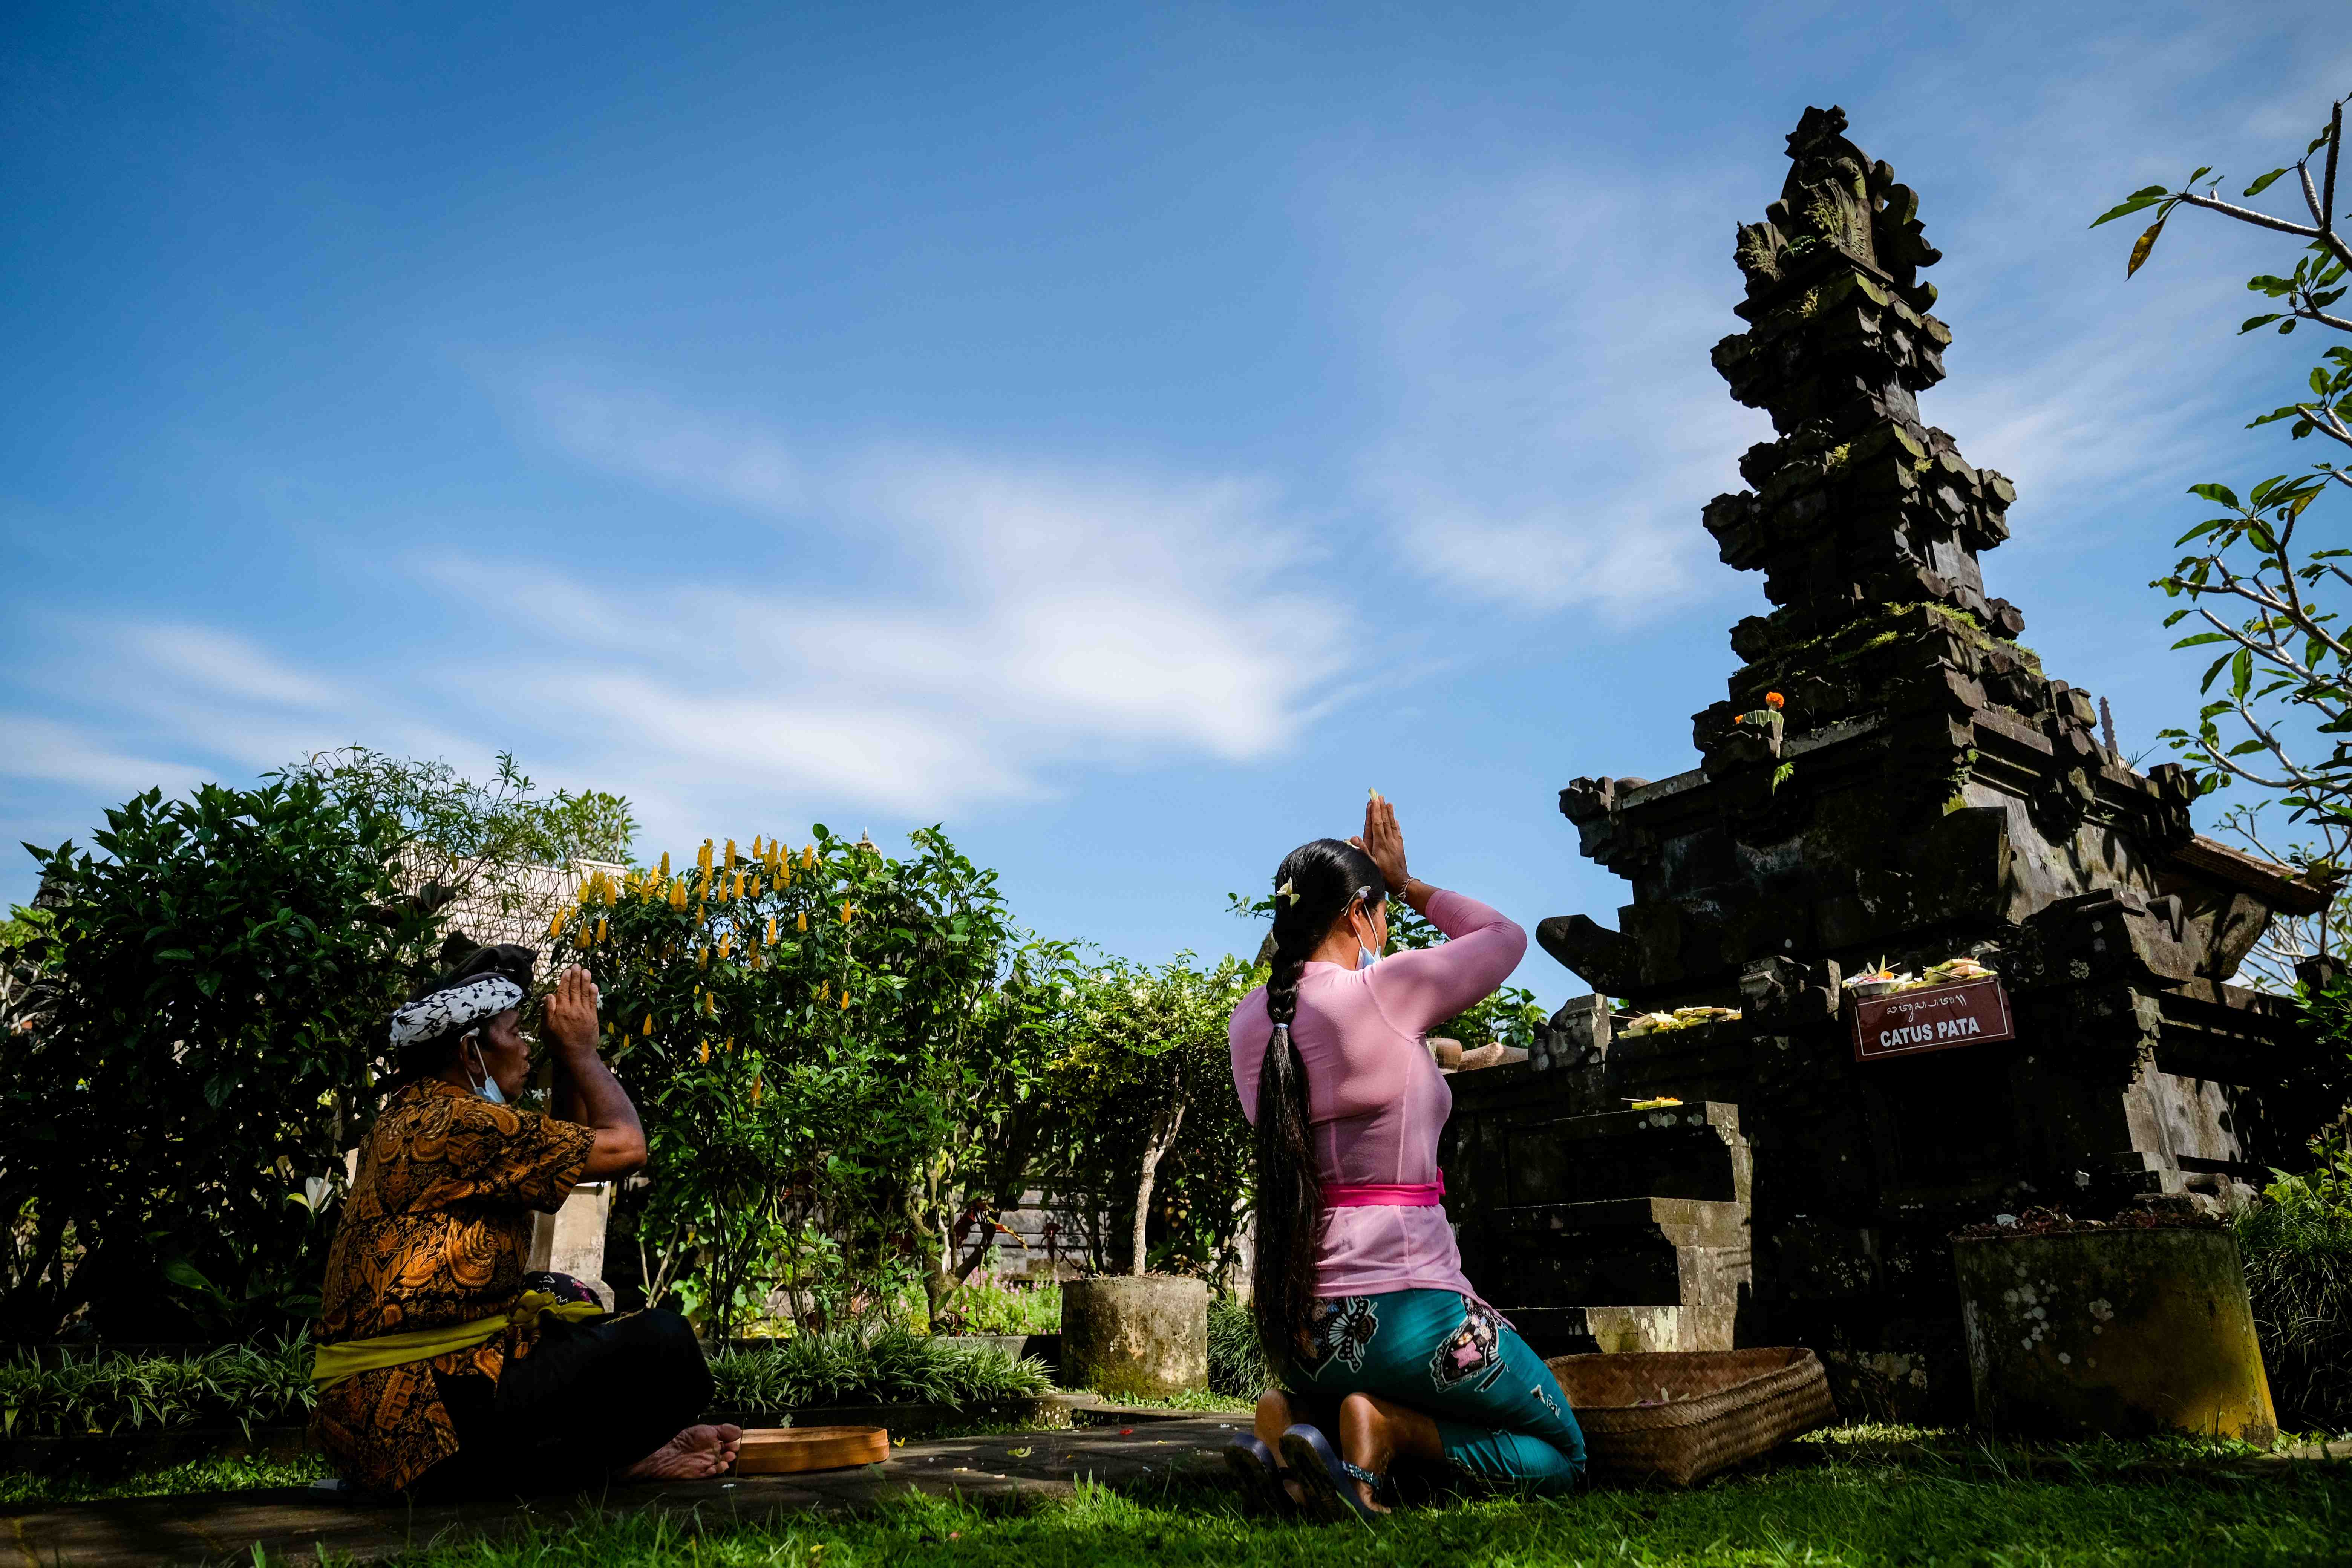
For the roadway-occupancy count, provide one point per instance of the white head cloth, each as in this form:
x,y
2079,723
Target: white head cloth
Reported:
x,y
431,1017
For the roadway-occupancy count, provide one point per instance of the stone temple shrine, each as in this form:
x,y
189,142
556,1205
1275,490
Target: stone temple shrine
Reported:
x,y
1893,779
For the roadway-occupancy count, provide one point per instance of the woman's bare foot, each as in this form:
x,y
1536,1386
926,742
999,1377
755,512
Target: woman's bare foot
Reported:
x,y
1374,1432
1273,1419
697,1452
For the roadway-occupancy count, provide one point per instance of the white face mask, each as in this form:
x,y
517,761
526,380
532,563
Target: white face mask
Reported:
x,y
1365,956
489,1087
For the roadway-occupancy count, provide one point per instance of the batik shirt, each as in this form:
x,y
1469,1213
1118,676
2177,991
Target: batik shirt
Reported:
x,y
435,1232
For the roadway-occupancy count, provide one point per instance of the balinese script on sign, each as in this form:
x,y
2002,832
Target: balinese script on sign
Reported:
x,y
1932,1018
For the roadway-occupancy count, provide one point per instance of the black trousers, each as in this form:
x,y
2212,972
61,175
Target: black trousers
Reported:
x,y
589,1399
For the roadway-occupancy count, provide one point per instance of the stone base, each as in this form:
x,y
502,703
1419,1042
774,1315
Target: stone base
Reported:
x,y
1144,1334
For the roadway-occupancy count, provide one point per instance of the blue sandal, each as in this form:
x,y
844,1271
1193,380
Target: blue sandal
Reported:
x,y
1325,1477
1259,1472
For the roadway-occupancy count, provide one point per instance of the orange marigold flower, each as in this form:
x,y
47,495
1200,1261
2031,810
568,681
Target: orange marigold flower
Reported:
x,y
1773,700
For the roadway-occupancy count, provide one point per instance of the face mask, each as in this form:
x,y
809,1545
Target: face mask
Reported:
x,y
489,1087
1365,956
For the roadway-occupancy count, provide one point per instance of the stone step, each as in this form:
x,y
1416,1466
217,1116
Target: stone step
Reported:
x,y
1676,1151
1647,1252
1589,1330
1677,1222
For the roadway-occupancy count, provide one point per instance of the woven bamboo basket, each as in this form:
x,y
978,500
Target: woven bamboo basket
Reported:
x,y
782,1450
1682,1414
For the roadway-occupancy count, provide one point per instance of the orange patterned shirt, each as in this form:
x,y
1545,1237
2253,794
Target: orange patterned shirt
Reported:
x,y
435,1232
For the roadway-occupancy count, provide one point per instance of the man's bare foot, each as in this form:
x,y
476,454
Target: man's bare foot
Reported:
x,y
697,1452
1274,1418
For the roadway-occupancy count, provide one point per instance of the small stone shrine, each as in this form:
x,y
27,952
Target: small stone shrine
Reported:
x,y
1893,779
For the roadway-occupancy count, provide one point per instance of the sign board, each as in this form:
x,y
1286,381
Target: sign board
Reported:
x,y
1933,1018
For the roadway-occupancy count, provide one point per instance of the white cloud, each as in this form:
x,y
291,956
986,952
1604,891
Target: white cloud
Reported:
x,y
44,749
655,440
1554,424
759,745
1021,614
202,659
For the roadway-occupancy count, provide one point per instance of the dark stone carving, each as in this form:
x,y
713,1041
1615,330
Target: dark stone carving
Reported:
x,y
1890,775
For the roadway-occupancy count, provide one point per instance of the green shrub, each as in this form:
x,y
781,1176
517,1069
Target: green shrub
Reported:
x,y
1237,1362
987,1306
897,1366
243,1387
2297,1244
222,967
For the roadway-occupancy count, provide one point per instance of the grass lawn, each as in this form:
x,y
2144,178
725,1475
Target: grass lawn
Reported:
x,y
216,1475
1861,1496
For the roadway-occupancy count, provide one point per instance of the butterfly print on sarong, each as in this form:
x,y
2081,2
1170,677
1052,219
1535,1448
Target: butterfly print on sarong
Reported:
x,y
1340,1329
1471,1356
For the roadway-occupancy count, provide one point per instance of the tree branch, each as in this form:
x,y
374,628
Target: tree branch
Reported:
x,y
2335,145
2247,214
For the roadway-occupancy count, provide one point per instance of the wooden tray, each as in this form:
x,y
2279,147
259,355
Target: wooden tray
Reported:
x,y
779,1450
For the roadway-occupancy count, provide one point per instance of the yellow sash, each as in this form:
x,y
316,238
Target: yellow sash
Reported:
x,y
330,1365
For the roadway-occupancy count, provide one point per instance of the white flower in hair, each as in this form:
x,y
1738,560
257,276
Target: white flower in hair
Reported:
x,y
1286,891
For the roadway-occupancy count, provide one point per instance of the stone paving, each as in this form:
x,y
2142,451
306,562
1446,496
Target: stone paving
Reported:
x,y
299,1523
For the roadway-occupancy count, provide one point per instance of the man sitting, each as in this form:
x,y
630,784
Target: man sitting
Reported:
x,y
437,1369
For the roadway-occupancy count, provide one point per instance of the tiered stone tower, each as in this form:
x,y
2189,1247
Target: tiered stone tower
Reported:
x,y
1892,776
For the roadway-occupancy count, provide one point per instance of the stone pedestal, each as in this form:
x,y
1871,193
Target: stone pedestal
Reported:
x,y
572,1239
1143,1334
2123,1331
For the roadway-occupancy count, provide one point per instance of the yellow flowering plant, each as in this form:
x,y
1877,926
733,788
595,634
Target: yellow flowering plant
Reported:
x,y
854,1066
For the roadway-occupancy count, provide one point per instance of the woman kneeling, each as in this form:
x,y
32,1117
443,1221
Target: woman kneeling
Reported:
x,y
1386,1351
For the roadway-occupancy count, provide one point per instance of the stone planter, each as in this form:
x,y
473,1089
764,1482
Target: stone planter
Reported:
x,y
2122,1330
1141,1334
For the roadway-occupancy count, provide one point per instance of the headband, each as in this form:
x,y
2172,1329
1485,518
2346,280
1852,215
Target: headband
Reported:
x,y
429,1017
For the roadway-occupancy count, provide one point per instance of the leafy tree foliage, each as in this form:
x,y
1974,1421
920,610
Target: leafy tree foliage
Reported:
x,y
214,983
1143,1102
831,1049
494,856
2278,716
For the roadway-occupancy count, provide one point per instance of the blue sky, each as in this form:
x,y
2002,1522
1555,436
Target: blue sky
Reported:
x,y
1121,434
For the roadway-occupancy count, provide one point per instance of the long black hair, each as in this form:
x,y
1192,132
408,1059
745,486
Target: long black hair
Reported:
x,y
1317,884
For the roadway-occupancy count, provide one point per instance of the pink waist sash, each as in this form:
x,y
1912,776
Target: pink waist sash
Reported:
x,y
1385,1195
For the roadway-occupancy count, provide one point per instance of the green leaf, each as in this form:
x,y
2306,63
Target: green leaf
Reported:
x,y
2252,322
2220,494
2140,248
2259,186
2148,195
180,1271
175,955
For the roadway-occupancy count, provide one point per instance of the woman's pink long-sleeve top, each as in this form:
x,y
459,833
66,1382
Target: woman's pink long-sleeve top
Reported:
x,y
1375,1101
